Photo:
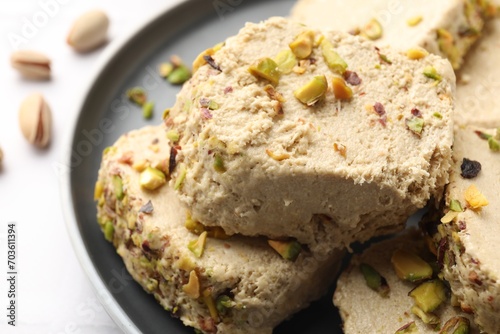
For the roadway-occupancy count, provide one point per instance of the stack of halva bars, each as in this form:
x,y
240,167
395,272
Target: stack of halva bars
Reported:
x,y
300,136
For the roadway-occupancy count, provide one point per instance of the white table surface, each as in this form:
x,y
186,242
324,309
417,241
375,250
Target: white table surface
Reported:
x,y
53,294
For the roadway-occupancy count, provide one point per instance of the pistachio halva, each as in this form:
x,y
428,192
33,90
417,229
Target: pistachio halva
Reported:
x,y
466,235
479,82
212,282
391,288
443,27
285,131
376,293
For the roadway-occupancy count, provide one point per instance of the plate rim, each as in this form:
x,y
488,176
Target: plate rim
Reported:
x,y
102,293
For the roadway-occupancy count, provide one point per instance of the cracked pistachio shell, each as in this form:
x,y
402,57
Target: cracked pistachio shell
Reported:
x,y
35,120
32,65
89,31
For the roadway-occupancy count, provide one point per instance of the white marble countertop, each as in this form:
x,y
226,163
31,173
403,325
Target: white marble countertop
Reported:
x,y
53,294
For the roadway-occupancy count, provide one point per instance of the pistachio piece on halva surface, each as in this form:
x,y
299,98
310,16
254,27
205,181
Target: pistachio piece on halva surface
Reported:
x,y
289,250
313,91
152,178
409,328
89,31
374,280
429,295
410,267
31,64
35,120
456,325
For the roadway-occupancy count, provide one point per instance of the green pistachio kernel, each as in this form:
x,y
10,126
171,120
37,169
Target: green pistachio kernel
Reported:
x,y
266,69
416,125
427,318
173,135
118,187
286,61
340,89
494,144
432,73
166,69
219,164
152,178
147,110
223,303
374,280
198,246
373,30
181,177
212,105
179,75
429,295
313,91
456,206
289,250
109,230
332,58
137,95
302,46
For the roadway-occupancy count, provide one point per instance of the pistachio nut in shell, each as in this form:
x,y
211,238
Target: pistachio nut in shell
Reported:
x,y
31,64
89,31
35,120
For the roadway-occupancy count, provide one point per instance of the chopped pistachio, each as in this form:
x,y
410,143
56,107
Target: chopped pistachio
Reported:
x,y
456,325
429,295
384,58
414,21
165,114
427,318
140,165
303,44
198,246
266,69
211,305
192,288
372,30
494,144
416,125
332,58
173,135
286,61
289,250
152,178
456,206
109,230
180,177
273,93
340,89
147,110
432,73
449,217
416,53
409,266
410,328
313,91
118,187
474,198
194,226
165,69
219,164
137,95
179,75
438,115
212,105
447,46
98,190
374,280
223,303
200,59
277,157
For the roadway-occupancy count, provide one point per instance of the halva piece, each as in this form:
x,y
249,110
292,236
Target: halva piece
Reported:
x,y
285,131
212,282
373,297
443,27
467,233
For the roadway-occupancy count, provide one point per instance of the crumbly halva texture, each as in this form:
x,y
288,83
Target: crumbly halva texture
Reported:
x,y
445,28
364,310
263,158
478,82
467,232
225,285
